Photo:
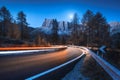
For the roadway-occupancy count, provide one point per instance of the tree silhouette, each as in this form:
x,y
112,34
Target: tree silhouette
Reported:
x,y
86,21
99,28
5,19
96,28
75,33
21,20
55,35
87,17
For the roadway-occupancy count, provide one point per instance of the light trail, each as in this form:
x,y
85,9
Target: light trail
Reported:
x,y
23,51
53,69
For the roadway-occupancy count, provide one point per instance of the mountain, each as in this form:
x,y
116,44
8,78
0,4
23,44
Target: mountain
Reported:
x,y
114,27
63,27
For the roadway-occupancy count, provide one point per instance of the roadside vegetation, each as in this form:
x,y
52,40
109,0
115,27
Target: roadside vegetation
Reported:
x,y
92,31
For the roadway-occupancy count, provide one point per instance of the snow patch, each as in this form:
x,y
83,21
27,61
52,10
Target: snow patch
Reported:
x,y
114,28
75,74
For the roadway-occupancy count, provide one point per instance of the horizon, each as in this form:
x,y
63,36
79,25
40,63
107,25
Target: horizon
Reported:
x,y
37,11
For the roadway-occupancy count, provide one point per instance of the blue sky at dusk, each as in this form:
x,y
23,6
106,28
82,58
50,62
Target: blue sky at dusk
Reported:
x,y
38,10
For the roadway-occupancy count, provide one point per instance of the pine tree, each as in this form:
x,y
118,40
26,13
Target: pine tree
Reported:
x,y
99,28
55,35
38,40
86,21
75,33
87,17
5,20
22,22
96,28
63,25
15,31
75,21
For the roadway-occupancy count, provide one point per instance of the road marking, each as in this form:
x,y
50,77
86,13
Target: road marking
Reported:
x,y
53,69
27,51
23,51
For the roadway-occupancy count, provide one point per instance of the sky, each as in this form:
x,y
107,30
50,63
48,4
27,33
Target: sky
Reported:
x,y
62,10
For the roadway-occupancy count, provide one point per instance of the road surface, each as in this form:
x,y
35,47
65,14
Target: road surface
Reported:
x,y
20,67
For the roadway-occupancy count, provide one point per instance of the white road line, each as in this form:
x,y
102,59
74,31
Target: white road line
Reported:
x,y
23,51
26,51
53,69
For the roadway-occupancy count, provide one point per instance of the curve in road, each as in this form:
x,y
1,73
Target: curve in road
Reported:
x,y
24,66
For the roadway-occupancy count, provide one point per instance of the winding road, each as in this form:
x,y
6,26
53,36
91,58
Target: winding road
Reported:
x,y
20,67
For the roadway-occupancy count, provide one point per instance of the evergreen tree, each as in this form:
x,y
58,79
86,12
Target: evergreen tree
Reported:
x,y
38,40
75,33
86,21
22,22
96,28
55,35
75,21
5,20
87,17
63,25
5,14
99,28
14,31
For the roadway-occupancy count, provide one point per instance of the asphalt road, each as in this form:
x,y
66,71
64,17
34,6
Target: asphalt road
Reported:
x,y
20,67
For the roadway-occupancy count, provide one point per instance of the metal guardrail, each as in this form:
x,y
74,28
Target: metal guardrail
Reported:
x,y
111,70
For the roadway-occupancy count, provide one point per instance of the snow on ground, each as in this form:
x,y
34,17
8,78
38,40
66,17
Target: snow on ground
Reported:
x,y
75,74
114,28
87,69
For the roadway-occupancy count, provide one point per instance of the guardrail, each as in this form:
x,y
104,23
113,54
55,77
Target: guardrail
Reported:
x,y
111,70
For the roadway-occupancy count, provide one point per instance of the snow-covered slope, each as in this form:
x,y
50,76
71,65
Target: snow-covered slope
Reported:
x,y
47,26
62,27
114,27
